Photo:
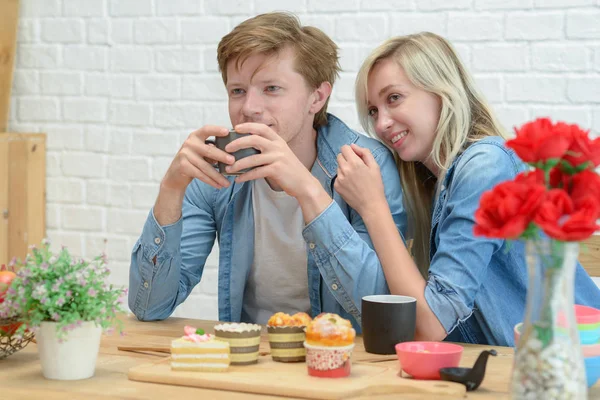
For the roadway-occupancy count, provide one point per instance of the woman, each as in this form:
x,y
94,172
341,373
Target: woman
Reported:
x,y
414,94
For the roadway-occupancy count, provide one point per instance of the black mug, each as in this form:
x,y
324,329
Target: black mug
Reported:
x,y
222,141
386,321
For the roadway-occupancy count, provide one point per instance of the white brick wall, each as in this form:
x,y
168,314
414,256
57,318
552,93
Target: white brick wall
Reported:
x,y
118,84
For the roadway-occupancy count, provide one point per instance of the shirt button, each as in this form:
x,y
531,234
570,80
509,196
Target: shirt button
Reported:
x,y
157,240
146,285
334,286
311,245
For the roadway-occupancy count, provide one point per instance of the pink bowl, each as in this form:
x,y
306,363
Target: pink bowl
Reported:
x,y
587,315
423,360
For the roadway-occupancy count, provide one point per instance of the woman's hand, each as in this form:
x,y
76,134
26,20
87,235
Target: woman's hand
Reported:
x,y
359,180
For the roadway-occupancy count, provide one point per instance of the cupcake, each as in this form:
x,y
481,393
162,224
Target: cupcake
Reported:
x,y
329,343
286,336
243,340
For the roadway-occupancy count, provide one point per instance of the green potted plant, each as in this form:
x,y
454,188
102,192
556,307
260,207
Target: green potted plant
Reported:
x,y
67,302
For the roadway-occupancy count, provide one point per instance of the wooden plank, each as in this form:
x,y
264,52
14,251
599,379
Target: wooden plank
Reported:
x,y
9,19
17,199
589,255
23,174
36,190
4,150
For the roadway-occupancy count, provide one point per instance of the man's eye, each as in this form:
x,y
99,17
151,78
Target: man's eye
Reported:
x,y
237,91
272,88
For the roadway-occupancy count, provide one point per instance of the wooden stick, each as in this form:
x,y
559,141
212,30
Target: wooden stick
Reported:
x,y
376,360
142,348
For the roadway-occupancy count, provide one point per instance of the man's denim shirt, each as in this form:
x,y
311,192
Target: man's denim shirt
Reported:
x,y
477,286
342,265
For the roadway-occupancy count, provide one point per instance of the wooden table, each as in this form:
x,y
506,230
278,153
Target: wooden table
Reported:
x,y
21,377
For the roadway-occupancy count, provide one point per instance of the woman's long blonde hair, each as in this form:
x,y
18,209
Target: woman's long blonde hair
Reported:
x,y
430,63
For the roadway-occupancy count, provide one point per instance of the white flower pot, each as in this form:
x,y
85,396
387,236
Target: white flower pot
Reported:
x,y
73,358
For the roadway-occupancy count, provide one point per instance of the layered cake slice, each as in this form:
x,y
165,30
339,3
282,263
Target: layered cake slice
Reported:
x,y
198,351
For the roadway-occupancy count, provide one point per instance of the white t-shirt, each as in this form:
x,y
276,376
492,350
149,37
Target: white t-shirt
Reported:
x,y
278,279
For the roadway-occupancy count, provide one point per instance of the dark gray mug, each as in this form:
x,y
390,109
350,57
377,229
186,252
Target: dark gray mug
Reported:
x,y
386,321
222,141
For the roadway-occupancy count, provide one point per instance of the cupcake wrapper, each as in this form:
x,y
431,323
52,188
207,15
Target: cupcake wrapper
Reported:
x,y
245,362
243,346
289,359
239,342
287,343
248,349
288,355
336,360
287,337
244,358
247,356
341,372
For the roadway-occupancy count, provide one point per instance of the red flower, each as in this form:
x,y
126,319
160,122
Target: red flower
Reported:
x,y
585,187
507,209
559,219
559,179
537,141
582,148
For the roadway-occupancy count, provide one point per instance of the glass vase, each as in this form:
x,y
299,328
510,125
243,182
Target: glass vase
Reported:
x,y
548,361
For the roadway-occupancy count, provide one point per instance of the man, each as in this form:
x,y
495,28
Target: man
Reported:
x,y
287,242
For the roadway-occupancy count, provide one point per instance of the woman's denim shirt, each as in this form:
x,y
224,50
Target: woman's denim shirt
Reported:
x,y
477,286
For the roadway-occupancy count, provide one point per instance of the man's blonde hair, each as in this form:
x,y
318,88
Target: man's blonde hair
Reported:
x,y
316,53
431,63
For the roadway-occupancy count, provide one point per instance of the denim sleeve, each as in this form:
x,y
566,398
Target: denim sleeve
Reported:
x,y
460,264
181,249
343,250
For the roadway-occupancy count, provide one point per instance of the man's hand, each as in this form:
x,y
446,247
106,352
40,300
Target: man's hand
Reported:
x,y
194,160
276,160
278,163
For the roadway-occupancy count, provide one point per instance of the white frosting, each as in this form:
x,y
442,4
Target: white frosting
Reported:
x,y
237,327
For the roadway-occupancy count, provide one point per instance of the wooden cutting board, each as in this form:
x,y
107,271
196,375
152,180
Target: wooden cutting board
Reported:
x,y
292,380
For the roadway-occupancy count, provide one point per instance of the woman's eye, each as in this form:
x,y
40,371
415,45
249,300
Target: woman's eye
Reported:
x,y
394,97
237,91
372,112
